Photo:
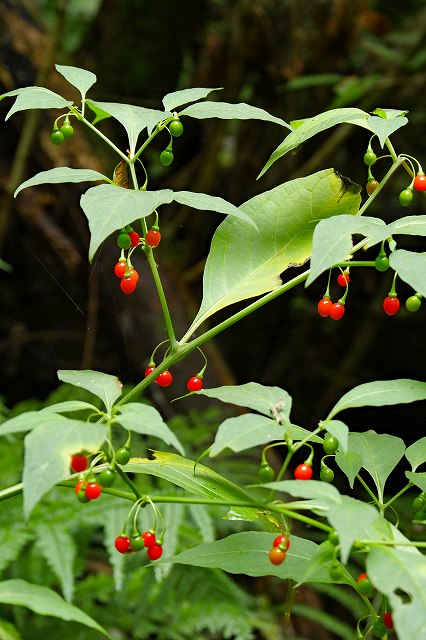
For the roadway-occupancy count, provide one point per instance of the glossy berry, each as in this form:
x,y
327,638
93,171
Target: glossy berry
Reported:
x,y
303,472
56,137
120,268
165,379
266,472
391,305
387,620
337,311
134,275
128,285
419,502
67,130
277,555
148,371
194,384
381,263
371,186
176,128
166,157
107,477
81,495
153,238
343,279
413,303
134,238
330,444
364,585
282,541
327,474
93,490
406,197
379,629
333,536
137,542
335,571
123,455
370,157
79,486
79,463
420,182
122,544
324,307
123,240
149,538
155,551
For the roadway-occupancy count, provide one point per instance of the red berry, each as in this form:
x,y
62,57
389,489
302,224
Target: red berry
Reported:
x,y
134,238
324,307
282,541
93,490
122,544
303,472
371,186
120,268
420,182
391,305
387,619
79,463
154,551
343,279
277,555
149,370
149,539
337,311
79,486
134,274
128,285
194,384
164,379
153,238
362,576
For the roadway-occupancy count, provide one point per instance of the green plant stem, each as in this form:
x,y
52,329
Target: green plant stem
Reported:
x,y
392,543
129,482
356,263
397,495
397,163
99,133
10,492
368,490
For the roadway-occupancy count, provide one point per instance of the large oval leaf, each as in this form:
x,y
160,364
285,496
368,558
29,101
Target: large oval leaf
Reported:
x,y
411,268
35,98
271,401
61,174
79,78
106,387
177,98
228,111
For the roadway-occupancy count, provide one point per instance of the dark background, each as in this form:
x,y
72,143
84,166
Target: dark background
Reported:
x,y
292,58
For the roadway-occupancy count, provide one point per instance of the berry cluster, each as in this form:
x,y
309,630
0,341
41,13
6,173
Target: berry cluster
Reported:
x,y
165,379
137,542
59,135
89,487
280,546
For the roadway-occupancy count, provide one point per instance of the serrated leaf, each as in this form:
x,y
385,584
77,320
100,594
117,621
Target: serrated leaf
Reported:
x,y
416,453
340,431
48,448
59,175
270,401
146,420
321,492
350,463
395,570
106,387
45,602
247,553
383,128
178,98
79,78
332,242
311,127
69,406
419,479
228,111
350,518
58,549
211,203
35,98
381,393
173,516
12,540
243,263
411,268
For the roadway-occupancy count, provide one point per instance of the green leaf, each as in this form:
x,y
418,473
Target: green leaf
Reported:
x,y
350,463
178,98
419,479
247,553
383,128
45,602
203,520
13,539
389,114
311,127
8,631
416,453
210,203
35,98
58,549
312,490
243,263
100,114
324,556
267,400
332,242
79,78
173,517
411,268
327,620
351,519
69,406
146,420
340,431
48,448
227,111
106,387
396,570
61,174
26,422
381,393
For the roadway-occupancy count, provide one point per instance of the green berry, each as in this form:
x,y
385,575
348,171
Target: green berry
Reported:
x,y
335,571
137,542
57,137
266,472
176,128
379,629
413,303
327,474
334,538
67,130
330,444
166,157
122,455
124,240
107,477
406,197
370,157
419,502
381,262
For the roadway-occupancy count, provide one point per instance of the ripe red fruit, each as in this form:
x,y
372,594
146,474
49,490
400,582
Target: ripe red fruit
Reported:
x,y
194,384
387,619
154,551
79,463
324,307
93,490
420,182
391,305
149,370
337,311
371,186
134,274
153,238
164,379
303,472
134,238
80,484
343,279
149,539
120,268
128,285
122,544
277,555
282,541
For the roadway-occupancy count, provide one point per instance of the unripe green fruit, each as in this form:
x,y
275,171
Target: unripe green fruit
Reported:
x,y
166,157
57,137
413,303
330,444
107,477
370,157
124,241
406,197
67,130
381,263
266,472
176,128
123,455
